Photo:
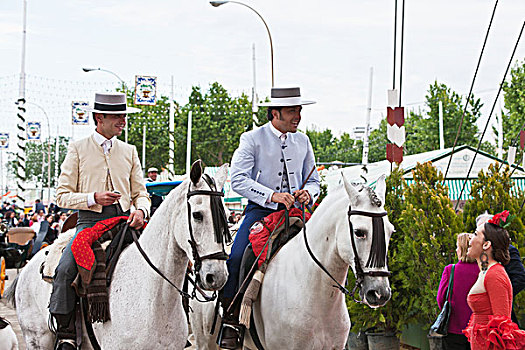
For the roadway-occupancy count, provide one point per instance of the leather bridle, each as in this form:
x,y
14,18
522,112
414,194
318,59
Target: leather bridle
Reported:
x,y
220,224
360,273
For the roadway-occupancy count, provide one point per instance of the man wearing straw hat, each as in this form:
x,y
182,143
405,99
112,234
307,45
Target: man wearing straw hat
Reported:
x,y
101,177
269,168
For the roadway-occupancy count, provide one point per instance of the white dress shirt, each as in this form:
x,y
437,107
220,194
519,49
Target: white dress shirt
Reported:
x,y
106,147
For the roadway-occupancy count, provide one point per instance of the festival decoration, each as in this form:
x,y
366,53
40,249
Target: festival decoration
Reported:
x,y
33,131
78,113
4,140
145,90
502,219
396,132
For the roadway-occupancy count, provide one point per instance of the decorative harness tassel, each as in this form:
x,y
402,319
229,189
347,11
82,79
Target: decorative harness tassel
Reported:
x,y
251,294
252,291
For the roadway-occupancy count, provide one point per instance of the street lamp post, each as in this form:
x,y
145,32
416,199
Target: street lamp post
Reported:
x,y
123,86
48,153
219,3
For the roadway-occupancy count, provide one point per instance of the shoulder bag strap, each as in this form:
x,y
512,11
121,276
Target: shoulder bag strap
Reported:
x,y
450,282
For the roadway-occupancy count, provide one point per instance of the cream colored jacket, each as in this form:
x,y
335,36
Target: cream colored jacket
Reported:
x,y
85,170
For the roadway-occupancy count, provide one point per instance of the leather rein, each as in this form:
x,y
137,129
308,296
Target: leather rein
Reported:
x,y
220,224
360,273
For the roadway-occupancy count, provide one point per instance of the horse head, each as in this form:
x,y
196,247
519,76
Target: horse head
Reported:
x,y
368,233
207,230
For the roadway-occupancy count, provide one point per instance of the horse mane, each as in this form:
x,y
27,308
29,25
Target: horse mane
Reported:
x,y
374,199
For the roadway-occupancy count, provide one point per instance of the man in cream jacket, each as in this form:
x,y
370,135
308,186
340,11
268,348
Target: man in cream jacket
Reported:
x,y
101,177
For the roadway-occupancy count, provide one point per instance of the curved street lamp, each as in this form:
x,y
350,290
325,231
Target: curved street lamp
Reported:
x,y
87,70
219,3
104,70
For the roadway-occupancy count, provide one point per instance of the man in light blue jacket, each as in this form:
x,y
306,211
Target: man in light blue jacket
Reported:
x,y
268,169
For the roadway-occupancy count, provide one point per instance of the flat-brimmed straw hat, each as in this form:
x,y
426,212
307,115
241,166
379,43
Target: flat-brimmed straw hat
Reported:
x,y
286,97
111,103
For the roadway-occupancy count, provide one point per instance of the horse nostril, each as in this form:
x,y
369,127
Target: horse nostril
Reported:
x,y
209,278
373,296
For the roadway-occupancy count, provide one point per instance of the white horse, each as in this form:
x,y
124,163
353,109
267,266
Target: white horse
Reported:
x,y
8,339
146,312
298,306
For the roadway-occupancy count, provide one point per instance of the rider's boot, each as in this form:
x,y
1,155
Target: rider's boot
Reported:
x,y
66,332
230,335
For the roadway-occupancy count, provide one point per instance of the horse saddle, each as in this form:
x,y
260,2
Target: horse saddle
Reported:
x,y
112,241
261,232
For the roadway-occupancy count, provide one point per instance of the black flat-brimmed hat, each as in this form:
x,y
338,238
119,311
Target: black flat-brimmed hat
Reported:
x,y
111,103
286,97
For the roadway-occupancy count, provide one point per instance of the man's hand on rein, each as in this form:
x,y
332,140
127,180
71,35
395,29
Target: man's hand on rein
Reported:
x,y
284,198
302,196
136,219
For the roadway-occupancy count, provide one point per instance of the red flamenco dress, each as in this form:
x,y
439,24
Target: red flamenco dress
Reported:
x,y
490,326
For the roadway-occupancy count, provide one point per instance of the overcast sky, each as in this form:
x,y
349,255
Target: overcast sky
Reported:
x,y
325,47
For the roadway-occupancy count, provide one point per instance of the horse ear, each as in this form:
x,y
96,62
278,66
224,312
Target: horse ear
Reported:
x,y
221,176
196,172
381,188
352,192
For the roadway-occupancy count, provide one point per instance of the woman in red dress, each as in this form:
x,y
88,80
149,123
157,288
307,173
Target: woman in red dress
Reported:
x,y
490,298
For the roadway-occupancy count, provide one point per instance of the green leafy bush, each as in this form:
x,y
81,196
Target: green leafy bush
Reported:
x,y
423,244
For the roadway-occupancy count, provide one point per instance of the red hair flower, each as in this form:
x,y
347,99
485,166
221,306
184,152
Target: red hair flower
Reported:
x,y
500,219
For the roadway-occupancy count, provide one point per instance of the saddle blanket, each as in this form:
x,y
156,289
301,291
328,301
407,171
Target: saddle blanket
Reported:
x,y
81,247
260,231
53,254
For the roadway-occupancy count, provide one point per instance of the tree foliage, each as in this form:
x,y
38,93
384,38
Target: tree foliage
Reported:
x,y
377,142
425,135
514,104
218,120
37,160
328,148
155,119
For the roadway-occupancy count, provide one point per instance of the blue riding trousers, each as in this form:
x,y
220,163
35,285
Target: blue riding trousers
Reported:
x,y
63,297
252,214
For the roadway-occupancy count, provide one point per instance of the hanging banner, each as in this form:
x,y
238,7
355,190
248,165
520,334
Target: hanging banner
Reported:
x,y
394,154
4,140
78,113
396,134
145,90
395,116
33,131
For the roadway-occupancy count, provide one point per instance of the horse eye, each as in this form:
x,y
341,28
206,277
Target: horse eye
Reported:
x,y
197,216
360,233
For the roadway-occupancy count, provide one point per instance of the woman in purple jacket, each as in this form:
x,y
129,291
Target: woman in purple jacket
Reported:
x,y
465,274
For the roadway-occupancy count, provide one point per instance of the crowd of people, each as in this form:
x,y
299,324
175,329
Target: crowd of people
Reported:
x,y
234,218
488,275
12,216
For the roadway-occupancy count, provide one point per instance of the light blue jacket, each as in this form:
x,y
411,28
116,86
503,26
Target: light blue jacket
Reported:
x,y
257,165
